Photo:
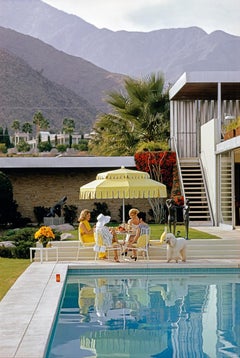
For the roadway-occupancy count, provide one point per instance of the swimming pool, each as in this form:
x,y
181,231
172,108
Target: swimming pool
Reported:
x,y
181,313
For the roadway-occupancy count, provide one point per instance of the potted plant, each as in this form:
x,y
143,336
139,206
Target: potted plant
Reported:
x,y
237,130
229,129
44,236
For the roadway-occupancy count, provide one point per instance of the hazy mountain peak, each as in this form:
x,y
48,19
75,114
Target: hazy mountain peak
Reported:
x,y
86,60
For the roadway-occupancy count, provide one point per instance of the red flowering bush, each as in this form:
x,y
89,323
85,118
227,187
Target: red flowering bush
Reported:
x,y
162,167
158,164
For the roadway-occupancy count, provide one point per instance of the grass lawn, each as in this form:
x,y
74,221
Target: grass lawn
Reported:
x,y
157,230
10,269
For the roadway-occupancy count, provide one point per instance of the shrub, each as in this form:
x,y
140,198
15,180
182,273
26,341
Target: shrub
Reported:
x,y
82,145
152,146
40,212
101,208
127,208
9,216
57,234
23,239
44,147
61,148
3,148
70,213
6,252
23,146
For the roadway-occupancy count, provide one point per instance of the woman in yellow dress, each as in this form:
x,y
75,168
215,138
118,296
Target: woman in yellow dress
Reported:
x,y
85,229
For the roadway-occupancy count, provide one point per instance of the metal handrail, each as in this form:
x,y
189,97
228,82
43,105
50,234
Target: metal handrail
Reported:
x,y
207,192
174,146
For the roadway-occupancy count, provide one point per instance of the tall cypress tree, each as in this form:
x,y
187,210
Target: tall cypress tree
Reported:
x,y
7,138
8,207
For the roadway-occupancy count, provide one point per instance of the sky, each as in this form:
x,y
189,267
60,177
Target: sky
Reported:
x,y
148,15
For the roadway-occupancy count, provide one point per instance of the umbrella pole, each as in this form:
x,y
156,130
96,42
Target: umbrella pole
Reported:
x,y
123,211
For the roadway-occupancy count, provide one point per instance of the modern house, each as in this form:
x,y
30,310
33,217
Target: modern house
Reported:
x,y
43,181
209,166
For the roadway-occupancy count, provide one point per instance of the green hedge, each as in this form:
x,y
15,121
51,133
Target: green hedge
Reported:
x,y
22,240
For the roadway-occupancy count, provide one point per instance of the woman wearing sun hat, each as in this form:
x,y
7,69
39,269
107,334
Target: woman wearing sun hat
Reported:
x,y
105,236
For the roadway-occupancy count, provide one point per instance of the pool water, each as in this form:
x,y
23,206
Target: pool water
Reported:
x,y
148,313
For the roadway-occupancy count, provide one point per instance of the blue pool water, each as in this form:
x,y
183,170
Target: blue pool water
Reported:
x,y
175,313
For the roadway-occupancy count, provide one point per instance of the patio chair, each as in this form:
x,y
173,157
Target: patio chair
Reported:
x,y
83,245
99,246
142,244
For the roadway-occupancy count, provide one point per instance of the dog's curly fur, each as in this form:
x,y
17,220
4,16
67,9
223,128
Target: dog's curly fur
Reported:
x,y
176,248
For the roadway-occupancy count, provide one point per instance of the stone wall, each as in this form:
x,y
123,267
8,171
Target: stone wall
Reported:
x,y
45,187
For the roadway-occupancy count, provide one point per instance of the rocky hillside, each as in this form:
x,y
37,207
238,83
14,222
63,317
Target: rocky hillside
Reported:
x,y
25,91
85,79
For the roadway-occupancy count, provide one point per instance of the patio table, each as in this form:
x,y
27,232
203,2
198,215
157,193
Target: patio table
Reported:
x,y
43,250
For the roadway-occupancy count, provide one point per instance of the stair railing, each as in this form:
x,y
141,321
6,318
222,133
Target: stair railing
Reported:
x,y
206,190
174,148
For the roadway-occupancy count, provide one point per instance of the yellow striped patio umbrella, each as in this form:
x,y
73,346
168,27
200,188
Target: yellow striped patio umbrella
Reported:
x,y
123,184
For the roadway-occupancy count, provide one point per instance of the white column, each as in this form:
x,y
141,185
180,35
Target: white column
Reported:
x,y
219,105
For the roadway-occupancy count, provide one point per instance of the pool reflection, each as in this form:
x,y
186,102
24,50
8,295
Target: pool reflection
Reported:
x,y
140,316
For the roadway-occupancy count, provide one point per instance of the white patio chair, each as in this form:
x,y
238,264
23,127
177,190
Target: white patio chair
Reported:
x,y
100,247
83,246
142,244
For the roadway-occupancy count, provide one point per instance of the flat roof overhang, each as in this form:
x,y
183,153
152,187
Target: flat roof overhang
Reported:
x,y
204,86
66,162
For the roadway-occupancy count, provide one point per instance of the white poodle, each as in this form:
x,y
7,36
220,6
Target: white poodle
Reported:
x,y
176,247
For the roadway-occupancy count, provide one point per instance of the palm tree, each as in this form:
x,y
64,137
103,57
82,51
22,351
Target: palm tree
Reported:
x,y
68,127
140,115
27,128
40,122
16,127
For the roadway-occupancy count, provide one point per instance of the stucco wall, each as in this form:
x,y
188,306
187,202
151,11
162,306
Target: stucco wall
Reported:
x,y
44,187
208,145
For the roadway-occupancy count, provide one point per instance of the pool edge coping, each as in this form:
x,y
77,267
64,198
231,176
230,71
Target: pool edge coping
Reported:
x,y
26,337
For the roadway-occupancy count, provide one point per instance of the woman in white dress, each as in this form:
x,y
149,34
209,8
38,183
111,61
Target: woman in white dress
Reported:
x,y
133,223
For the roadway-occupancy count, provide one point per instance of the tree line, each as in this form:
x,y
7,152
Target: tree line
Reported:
x,y
138,120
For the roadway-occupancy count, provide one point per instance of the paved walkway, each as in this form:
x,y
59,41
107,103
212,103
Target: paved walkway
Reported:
x,y
224,234
27,311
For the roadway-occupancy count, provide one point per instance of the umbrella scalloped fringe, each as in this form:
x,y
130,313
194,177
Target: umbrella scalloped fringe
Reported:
x,y
116,185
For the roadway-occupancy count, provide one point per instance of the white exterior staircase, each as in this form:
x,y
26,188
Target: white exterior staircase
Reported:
x,y
195,191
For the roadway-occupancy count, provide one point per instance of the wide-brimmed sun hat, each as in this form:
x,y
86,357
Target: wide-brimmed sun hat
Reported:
x,y
103,219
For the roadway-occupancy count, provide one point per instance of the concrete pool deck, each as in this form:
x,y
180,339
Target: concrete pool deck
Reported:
x,y
28,309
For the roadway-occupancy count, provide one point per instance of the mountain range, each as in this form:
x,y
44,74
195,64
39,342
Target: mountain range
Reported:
x,y
80,80
88,62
